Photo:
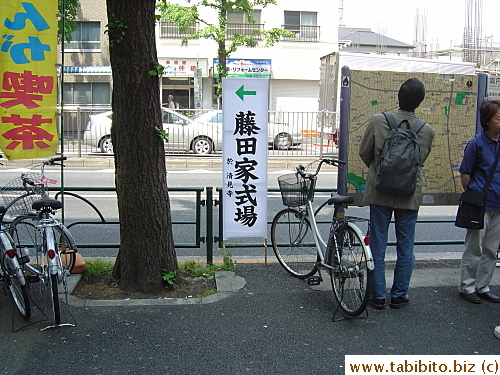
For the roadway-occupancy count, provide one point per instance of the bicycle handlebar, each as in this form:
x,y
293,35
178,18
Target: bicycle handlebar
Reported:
x,y
333,162
52,161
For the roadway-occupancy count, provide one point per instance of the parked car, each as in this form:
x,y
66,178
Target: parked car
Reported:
x,y
280,136
184,133
200,135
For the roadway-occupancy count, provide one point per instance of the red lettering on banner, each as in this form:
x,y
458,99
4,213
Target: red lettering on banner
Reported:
x,y
27,132
26,88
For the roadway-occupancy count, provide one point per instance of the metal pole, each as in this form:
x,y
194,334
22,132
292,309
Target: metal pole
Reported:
x,y
210,235
345,111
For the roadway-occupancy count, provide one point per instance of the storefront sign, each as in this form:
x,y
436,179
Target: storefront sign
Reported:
x,y
244,156
28,86
246,68
182,67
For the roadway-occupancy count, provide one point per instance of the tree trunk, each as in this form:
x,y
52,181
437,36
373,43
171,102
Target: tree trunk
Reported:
x,y
146,242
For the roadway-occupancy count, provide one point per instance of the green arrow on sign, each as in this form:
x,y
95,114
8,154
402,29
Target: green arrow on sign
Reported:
x,y
241,92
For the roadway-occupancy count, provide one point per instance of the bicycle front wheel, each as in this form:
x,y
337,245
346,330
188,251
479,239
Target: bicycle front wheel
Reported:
x,y
351,278
293,243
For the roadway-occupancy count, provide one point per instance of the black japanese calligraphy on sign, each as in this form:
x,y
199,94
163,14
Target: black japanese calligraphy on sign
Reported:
x,y
245,199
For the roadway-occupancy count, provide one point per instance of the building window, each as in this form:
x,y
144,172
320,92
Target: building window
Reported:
x,y
86,94
86,37
303,25
239,23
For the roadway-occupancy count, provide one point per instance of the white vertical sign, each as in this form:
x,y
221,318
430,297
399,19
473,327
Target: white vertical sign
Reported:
x,y
244,157
198,89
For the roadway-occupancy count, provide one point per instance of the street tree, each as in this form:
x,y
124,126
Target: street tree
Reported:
x,y
67,21
187,16
146,241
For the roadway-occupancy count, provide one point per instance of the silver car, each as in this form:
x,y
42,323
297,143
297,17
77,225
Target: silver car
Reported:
x,y
183,133
280,136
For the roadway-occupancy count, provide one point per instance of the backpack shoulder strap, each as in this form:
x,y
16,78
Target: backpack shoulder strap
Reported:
x,y
390,119
419,124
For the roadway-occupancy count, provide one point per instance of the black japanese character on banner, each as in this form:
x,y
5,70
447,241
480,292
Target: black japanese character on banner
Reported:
x,y
247,216
244,196
243,170
245,124
246,145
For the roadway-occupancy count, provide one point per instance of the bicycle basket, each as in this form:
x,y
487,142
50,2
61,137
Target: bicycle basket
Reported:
x,y
18,199
295,190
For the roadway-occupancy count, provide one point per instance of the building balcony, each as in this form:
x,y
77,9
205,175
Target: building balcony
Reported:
x,y
303,33
246,29
171,30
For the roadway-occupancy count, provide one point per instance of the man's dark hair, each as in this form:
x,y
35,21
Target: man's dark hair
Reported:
x,y
411,93
487,110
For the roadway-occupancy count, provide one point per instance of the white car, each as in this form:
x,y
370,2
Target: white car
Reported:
x,y
280,136
183,133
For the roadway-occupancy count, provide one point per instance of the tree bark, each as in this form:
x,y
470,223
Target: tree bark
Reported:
x,y
146,241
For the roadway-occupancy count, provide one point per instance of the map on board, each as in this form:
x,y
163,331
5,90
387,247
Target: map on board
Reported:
x,y
449,107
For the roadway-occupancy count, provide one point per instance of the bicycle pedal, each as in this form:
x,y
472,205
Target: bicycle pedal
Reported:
x,y
32,278
314,280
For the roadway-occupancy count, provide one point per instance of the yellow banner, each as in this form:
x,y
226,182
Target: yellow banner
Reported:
x,y
28,47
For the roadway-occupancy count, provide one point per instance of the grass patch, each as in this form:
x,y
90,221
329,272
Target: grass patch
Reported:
x,y
97,266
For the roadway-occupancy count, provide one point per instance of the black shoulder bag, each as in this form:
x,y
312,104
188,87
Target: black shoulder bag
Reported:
x,y
472,205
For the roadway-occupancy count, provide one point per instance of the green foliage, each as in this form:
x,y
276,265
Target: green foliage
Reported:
x,y
162,133
158,69
67,22
116,31
169,277
207,270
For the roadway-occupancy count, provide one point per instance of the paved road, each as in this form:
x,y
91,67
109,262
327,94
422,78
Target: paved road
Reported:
x,y
275,324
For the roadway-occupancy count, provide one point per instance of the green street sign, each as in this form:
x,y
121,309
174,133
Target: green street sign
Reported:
x,y
241,92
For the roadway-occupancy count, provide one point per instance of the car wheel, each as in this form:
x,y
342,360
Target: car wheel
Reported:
x,y
106,145
283,141
202,146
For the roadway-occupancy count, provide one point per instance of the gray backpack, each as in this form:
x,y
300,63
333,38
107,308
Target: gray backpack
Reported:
x,y
397,170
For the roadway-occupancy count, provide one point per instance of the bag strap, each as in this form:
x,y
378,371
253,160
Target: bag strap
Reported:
x,y
394,125
479,154
391,120
492,172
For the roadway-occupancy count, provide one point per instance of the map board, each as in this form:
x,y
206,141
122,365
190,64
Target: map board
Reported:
x,y
449,107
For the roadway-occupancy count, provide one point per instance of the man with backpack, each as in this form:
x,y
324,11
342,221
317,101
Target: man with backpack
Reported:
x,y
394,185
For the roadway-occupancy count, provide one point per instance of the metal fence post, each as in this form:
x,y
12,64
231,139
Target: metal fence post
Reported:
x,y
210,235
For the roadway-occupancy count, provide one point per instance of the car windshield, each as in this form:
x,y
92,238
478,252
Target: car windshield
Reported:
x,y
209,117
170,118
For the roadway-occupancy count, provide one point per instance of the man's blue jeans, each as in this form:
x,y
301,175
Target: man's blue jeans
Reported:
x,y
405,221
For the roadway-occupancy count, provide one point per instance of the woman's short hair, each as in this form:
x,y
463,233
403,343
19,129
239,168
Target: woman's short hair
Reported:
x,y
487,110
411,93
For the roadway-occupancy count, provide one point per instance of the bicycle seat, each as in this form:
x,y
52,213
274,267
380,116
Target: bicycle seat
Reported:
x,y
340,199
52,203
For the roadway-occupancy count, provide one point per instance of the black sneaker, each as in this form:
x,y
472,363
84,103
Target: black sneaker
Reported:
x,y
378,304
398,302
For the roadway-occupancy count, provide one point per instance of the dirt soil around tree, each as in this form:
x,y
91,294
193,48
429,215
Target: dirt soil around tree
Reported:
x,y
102,287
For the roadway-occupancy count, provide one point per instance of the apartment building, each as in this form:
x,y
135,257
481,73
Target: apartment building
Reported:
x,y
292,65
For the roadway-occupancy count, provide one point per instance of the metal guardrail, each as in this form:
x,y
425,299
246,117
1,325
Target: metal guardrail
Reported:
x,y
315,131
210,205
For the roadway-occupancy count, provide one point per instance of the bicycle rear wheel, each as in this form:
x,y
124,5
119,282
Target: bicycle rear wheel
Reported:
x,y
26,235
17,292
351,278
293,243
